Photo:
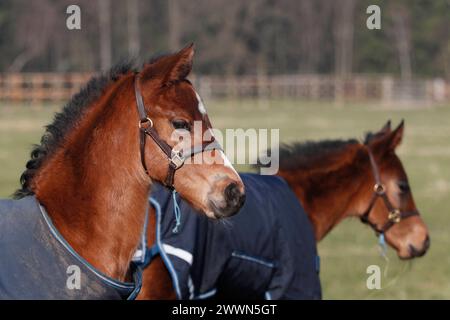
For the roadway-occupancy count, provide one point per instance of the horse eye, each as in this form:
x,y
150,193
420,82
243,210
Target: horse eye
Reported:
x,y
404,186
181,124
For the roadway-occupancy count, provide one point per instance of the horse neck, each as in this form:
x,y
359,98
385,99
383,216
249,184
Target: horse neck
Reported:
x,y
94,187
330,195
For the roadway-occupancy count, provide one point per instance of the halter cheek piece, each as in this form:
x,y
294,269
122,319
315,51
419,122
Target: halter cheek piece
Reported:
x,y
176,157
379,191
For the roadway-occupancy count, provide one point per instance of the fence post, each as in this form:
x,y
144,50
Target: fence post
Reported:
x,y
387,90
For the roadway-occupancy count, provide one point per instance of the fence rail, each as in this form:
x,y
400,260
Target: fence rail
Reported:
x,y
321,87
40,87
57,87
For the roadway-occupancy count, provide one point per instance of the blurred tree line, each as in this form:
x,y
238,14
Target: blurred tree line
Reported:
x,y
231,36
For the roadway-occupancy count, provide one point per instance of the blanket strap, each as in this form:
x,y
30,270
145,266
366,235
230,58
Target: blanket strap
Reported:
x,y
145,255
150,254
176,212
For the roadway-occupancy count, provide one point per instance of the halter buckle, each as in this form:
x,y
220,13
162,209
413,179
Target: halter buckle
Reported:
x,y
145,121
177,159
395,216
379,188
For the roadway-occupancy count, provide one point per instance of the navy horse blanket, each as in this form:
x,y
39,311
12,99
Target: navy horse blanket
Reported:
x,y
37,263
267,250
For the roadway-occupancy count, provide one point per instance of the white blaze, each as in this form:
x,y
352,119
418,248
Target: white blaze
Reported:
x,y
226,162
201,106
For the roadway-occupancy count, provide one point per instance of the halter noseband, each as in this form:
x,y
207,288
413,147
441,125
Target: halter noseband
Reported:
x,y
379,191
176,157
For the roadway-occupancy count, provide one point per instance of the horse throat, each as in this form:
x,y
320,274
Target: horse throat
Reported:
x,y
95,189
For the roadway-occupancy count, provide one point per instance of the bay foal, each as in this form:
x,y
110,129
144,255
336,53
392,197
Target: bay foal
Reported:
x,y
337,179
94,167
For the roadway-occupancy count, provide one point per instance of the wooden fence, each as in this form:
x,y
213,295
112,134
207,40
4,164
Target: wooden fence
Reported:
x,y
320,87
40,87
58,87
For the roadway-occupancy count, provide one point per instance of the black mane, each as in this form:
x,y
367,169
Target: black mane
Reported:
x,y
371,136
65,121
305,154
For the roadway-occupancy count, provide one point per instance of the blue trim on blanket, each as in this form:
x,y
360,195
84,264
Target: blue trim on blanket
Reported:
x,y
258,260
163,254
143,247
206,295
137,277
191,288
111,281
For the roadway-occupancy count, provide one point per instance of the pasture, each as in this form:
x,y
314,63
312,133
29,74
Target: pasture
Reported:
x,y
351,247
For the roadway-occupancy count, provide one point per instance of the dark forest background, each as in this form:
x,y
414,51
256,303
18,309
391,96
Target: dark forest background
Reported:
x,y
232,37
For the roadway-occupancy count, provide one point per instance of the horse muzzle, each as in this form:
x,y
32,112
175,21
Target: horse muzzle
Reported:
x,y
232,199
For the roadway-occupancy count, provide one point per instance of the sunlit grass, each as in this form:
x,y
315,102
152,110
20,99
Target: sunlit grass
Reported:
x,y
351,247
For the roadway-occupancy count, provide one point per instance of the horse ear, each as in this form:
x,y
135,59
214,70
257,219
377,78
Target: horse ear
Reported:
x,y
171,68
386,128
181,64
384,142
377,138
397,136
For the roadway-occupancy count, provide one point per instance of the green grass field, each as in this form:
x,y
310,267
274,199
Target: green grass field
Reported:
x,y
351,247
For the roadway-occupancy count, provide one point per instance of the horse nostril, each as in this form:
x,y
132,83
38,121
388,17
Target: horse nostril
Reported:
x,y
413,252
234,198
426,243
419,252
232,193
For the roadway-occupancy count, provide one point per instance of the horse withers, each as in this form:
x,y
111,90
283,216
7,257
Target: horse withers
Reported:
x,y
82,204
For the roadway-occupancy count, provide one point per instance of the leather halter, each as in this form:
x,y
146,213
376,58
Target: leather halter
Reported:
x,y
176,157
379,191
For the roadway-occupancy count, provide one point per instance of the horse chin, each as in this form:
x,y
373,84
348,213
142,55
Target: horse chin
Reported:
x,y
211,215
413,253
404,257
214,211
407,254
402,251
